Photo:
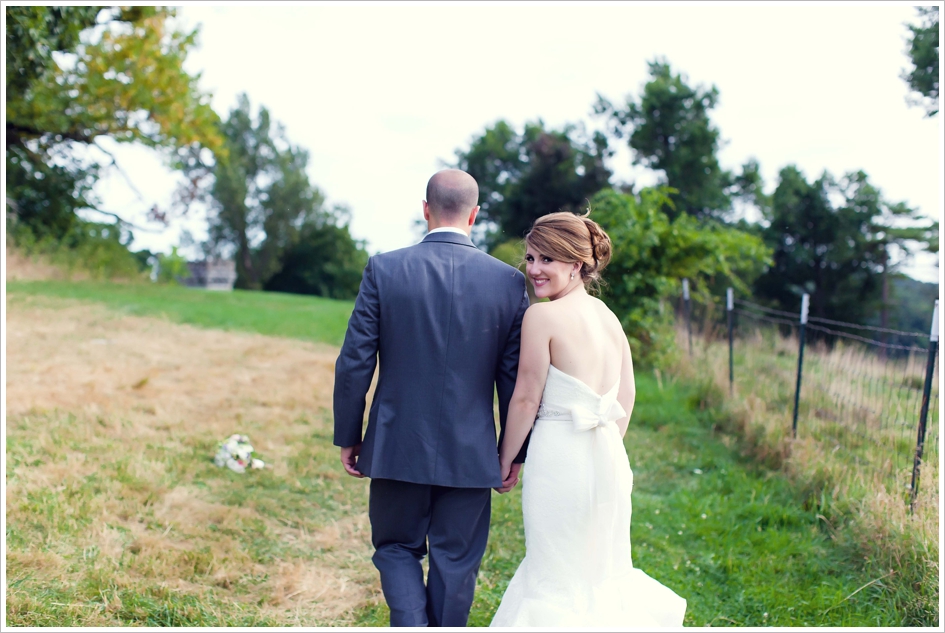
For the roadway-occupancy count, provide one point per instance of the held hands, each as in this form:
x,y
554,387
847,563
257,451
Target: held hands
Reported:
x,y
349,458
509,478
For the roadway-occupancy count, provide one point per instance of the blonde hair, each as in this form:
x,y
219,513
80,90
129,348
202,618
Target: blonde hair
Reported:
x,y
571,238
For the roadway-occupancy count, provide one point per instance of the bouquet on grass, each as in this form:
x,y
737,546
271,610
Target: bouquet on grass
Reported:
x,y
236,453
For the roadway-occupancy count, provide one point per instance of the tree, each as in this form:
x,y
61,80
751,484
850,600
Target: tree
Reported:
x,y
923,53
653,253
325,260
79,74
838,252
34,34
267,213
910,308
525,175
261,194
42,196
669,130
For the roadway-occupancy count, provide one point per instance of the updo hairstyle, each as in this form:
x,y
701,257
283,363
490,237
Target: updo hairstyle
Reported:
x,y
570,238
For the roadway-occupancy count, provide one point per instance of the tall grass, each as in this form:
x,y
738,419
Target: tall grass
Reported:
x,y
852,458
90,250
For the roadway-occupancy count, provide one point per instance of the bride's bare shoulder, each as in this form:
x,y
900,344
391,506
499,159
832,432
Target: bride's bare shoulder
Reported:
x,y
540,310
542,314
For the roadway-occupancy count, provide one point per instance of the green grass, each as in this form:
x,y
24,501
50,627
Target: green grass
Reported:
x,y
270,313
736,540
59,605
852,459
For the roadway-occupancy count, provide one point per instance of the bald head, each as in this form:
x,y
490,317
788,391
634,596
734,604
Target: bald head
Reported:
x,y
452,194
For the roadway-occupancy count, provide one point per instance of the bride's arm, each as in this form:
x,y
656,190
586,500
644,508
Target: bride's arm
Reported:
x,y
626,394
533,362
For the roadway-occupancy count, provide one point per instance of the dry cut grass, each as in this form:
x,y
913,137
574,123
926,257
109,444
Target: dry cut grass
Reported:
x,y
115,511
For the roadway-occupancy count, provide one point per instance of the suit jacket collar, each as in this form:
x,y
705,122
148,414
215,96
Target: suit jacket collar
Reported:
x,y
449,236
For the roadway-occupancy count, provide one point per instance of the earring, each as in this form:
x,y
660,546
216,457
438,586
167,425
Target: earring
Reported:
x,y
572,275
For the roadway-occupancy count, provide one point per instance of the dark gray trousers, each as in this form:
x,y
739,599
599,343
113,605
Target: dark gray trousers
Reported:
x,y
455,522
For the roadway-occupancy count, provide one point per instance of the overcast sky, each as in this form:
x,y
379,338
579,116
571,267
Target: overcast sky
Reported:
x,y
380,94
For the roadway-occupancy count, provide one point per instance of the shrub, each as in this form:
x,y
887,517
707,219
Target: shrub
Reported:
x,y
651,255
172,268
97,249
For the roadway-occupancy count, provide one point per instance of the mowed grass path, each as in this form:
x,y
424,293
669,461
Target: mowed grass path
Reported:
x,y
732,538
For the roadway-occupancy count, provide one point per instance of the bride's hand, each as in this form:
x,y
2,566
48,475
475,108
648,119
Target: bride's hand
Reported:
x,y
509,477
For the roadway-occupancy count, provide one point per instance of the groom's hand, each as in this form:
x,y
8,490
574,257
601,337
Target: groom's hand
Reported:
x,y
511,480
349,458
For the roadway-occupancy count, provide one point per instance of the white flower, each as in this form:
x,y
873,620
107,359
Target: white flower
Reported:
x,y
236,453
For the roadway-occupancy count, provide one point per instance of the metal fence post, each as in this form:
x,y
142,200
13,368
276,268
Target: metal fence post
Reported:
x,y
730,307
924,412
805,306
685,295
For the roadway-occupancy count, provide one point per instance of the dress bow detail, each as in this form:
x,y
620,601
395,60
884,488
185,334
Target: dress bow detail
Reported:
x,y
607,413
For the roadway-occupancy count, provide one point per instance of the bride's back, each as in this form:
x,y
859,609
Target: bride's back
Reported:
x,y
587,342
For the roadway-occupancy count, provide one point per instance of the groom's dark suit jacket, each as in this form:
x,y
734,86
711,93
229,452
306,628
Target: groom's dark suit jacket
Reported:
x,y
443,319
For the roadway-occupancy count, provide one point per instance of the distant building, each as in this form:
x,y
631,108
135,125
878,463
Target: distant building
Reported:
x,y
212,274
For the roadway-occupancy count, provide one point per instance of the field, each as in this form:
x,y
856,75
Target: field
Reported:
x,y
116,515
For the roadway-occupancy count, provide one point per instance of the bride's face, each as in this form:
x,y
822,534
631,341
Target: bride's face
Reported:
x,y
550,278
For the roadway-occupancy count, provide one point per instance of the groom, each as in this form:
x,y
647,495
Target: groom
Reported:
x,y
444,320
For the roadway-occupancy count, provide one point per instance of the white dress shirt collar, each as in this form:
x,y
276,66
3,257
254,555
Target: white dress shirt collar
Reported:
x,y
448,229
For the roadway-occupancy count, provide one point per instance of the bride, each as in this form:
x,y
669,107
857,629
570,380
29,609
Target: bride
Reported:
x,y
576,376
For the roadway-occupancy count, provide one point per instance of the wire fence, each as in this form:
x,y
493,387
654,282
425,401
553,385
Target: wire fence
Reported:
x,y
875,402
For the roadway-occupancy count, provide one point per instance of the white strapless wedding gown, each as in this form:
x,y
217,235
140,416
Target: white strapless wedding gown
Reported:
x,y
577,570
